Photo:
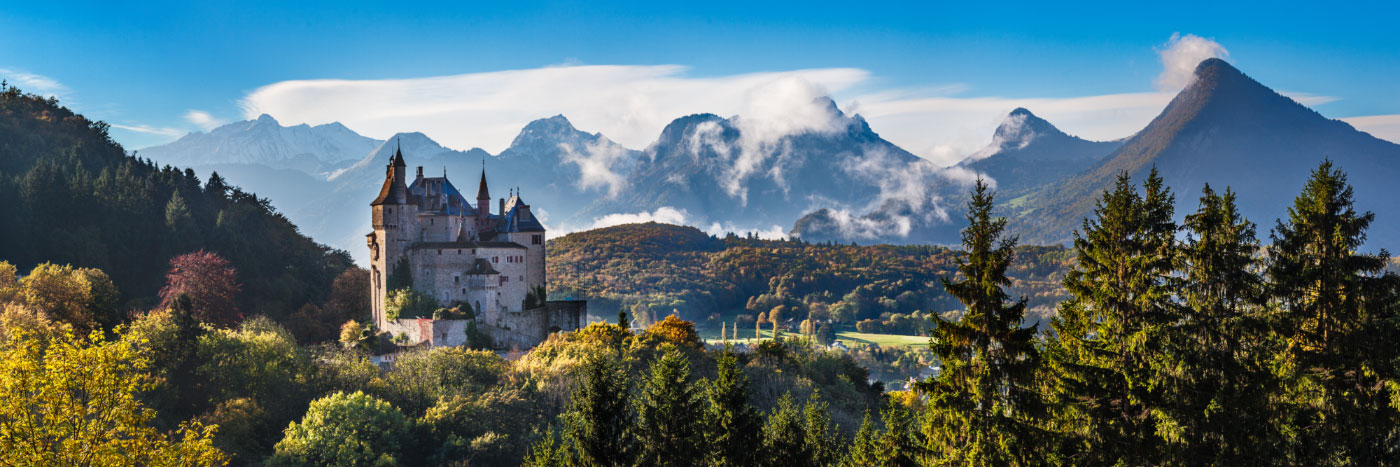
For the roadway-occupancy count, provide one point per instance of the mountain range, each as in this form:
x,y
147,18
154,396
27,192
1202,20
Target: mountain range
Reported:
x,y
829,178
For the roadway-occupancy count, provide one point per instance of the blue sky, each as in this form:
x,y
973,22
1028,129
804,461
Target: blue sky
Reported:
x,y
158,70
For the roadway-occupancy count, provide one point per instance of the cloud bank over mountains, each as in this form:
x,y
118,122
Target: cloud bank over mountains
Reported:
x,y
632,103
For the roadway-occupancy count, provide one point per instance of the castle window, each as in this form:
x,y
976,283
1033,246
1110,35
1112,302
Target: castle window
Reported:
x,y
495,259
536,239
459,251
432,221
439,252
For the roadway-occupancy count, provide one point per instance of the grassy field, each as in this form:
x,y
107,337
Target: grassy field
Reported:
x,y
846,337
882,340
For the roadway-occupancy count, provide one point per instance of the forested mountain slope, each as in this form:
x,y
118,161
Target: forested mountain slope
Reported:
x,y
70,194
664,267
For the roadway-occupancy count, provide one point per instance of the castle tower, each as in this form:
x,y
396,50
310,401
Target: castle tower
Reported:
x,y
483,198
394,217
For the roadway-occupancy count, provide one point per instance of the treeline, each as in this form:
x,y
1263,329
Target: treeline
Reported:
x,y
654,268
1186,344
1180,344
71,195
184,392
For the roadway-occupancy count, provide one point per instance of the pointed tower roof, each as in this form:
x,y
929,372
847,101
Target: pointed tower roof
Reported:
x,y
482,192
397,160
395,190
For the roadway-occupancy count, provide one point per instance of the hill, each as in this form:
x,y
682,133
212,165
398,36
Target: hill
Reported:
x,y
70,194
1227,129
663,267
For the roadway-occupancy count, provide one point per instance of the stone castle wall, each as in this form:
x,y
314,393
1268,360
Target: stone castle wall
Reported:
x,y
512,330
525,329
436,332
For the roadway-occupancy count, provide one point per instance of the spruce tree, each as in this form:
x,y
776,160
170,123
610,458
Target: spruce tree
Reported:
x,y
980,403
785,437
598,426
865,449
1218,406
1337,319
822,441
733,428
668,415
1108,352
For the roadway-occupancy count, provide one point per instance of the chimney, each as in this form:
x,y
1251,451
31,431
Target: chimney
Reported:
x,y
420,172
503,207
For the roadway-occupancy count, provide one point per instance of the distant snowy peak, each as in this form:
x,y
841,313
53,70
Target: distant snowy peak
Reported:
x,y
265,141
1024,132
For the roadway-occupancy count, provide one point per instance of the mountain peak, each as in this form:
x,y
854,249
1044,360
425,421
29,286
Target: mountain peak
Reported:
x,y
265,118
1020,127
549,131
1214,65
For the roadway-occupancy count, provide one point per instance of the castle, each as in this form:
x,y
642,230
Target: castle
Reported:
x,y
465,256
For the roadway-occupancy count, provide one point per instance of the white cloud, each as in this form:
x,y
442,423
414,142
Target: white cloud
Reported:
x,y
773,232
150,130
629,104
597,162
664,215
203,120
1386,127
1309,100
1180,57
34,83
945,129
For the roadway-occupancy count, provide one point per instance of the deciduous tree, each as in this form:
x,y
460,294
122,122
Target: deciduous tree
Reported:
x,y
211,283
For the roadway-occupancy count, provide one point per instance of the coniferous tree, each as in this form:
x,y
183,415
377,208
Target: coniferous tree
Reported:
x,y
598,426
733,427
1337,319
785,437
668,415
183,228
822,441
1107,354
865,448
1218,406
981,401
899,443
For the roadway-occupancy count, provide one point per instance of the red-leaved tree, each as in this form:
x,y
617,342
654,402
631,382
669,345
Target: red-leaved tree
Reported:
x,y
210,282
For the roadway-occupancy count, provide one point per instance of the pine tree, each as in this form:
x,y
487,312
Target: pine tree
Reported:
x,y
668,415
981,401
1218,408
1338,321
1108,354
785,437
183,229
598,425
899,443
733,427
824,444
865,449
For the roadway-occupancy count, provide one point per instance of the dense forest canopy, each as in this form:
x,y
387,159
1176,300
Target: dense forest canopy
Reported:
x,y
69,194
664,267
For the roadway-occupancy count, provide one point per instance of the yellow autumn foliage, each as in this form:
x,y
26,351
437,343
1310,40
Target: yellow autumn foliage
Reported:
x,y
70,401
